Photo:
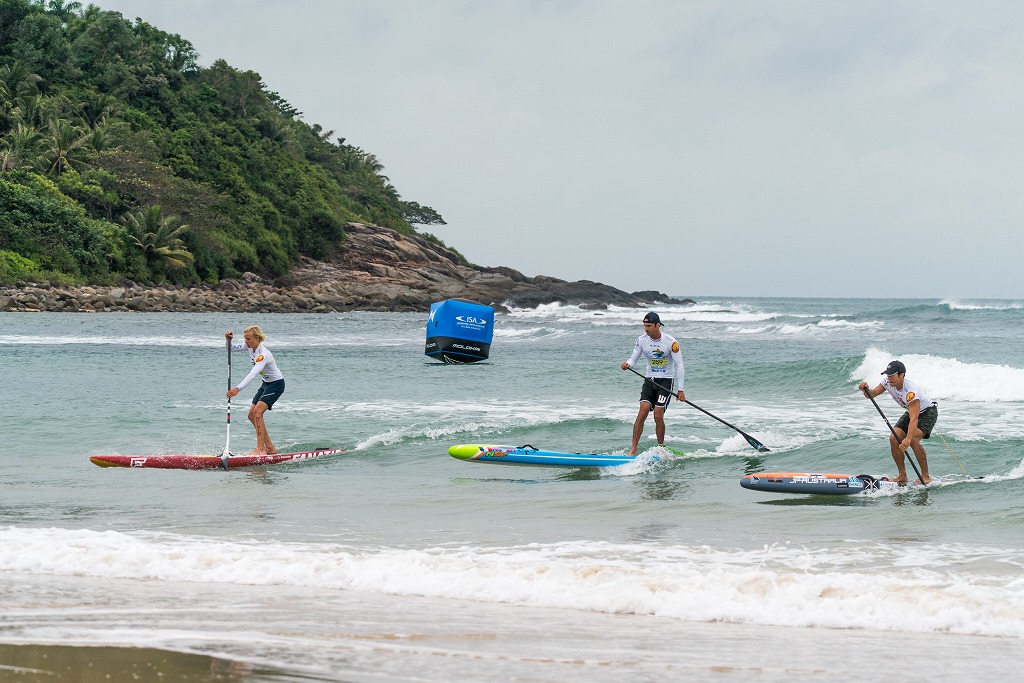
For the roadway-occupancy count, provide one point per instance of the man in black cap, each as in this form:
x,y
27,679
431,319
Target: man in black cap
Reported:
x,y
917,422
663,363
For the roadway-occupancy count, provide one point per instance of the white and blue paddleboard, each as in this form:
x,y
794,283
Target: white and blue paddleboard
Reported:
x,y
821,483
528,455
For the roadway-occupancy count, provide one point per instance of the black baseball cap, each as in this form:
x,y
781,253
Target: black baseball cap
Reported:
x,y
652,318
894,368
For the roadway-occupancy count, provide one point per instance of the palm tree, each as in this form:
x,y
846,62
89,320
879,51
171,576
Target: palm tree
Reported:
x,y
19,79
94,108
35,109
373,163
18,145
159,238
63,144
99,139
64,10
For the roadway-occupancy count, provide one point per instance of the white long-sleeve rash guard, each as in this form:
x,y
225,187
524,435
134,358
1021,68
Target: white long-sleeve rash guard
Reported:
x,y
663,357
262,364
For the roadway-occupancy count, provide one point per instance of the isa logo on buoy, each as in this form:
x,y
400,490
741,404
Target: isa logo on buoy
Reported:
x,y
470,320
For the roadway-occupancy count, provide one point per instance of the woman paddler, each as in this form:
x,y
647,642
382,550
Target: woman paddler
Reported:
x,y
273,384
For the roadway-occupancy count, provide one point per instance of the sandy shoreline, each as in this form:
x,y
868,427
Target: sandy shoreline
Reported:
x,y
32,663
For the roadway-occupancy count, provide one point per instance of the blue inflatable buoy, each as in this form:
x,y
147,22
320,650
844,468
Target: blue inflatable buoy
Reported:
x,y
459,331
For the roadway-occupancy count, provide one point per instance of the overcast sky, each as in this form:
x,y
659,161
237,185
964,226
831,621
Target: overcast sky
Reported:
x,y
742,148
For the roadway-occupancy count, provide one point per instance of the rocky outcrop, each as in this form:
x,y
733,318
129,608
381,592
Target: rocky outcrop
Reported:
x,y
375,269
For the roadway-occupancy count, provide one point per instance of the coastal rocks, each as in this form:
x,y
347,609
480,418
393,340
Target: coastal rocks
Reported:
x,y
374,269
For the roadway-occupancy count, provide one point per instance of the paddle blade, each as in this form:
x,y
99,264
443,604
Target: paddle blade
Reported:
x,y
755,443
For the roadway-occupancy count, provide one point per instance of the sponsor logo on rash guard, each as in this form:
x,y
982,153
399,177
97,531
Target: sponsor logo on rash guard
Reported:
x,y
258,359
675,347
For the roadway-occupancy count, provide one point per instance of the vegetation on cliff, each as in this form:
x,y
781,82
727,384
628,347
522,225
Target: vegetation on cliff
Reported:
x,y
121,157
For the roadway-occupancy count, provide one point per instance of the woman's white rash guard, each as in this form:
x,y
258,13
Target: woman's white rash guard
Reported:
x,y
262,364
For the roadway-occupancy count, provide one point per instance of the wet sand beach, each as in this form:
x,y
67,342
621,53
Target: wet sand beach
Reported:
x,y
38,663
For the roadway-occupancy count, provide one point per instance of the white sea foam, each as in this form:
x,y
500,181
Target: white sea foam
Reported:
x,y
948,378
631,317
976,305
527,334
918,588
470,417
205,342
824,326
62,340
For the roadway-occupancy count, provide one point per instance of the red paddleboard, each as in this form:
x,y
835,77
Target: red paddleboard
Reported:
x,y
206,462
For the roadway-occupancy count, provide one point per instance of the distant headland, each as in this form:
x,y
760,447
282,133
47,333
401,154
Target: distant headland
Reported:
x,y
375,269
134,179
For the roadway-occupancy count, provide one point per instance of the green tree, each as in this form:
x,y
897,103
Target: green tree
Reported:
x,y
64,11
421,215
159,238
63,145
18,146
43,46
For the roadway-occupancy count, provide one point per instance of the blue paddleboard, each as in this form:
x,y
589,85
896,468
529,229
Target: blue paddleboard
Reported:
x,y
528,455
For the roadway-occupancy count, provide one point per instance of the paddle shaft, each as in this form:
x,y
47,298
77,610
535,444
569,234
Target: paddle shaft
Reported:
x,y
894,434
750,440
227,440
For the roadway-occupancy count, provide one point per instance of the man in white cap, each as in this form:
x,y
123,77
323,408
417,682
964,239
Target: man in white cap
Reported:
x,y
663,363
917,422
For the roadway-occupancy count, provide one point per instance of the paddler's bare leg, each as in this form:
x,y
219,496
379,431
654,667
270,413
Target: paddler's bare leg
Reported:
x,y
898,456
922,458
264,445
659,425
638,426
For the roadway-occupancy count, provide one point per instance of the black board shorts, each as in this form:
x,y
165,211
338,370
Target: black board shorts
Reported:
x,y
269,392
657,398
925,421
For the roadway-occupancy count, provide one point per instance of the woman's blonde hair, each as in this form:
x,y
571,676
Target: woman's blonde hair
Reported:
x,y
255,331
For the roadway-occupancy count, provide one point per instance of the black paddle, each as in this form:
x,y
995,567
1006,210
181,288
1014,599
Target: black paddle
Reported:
x,y
895,436
227,441
751,440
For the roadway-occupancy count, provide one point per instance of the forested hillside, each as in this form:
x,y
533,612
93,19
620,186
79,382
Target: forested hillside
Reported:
x,y
121,157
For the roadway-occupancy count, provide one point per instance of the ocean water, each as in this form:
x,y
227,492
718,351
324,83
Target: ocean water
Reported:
x,y
394,561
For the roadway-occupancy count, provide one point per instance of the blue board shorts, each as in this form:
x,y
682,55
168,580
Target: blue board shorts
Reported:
x,y
269,393
657,398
